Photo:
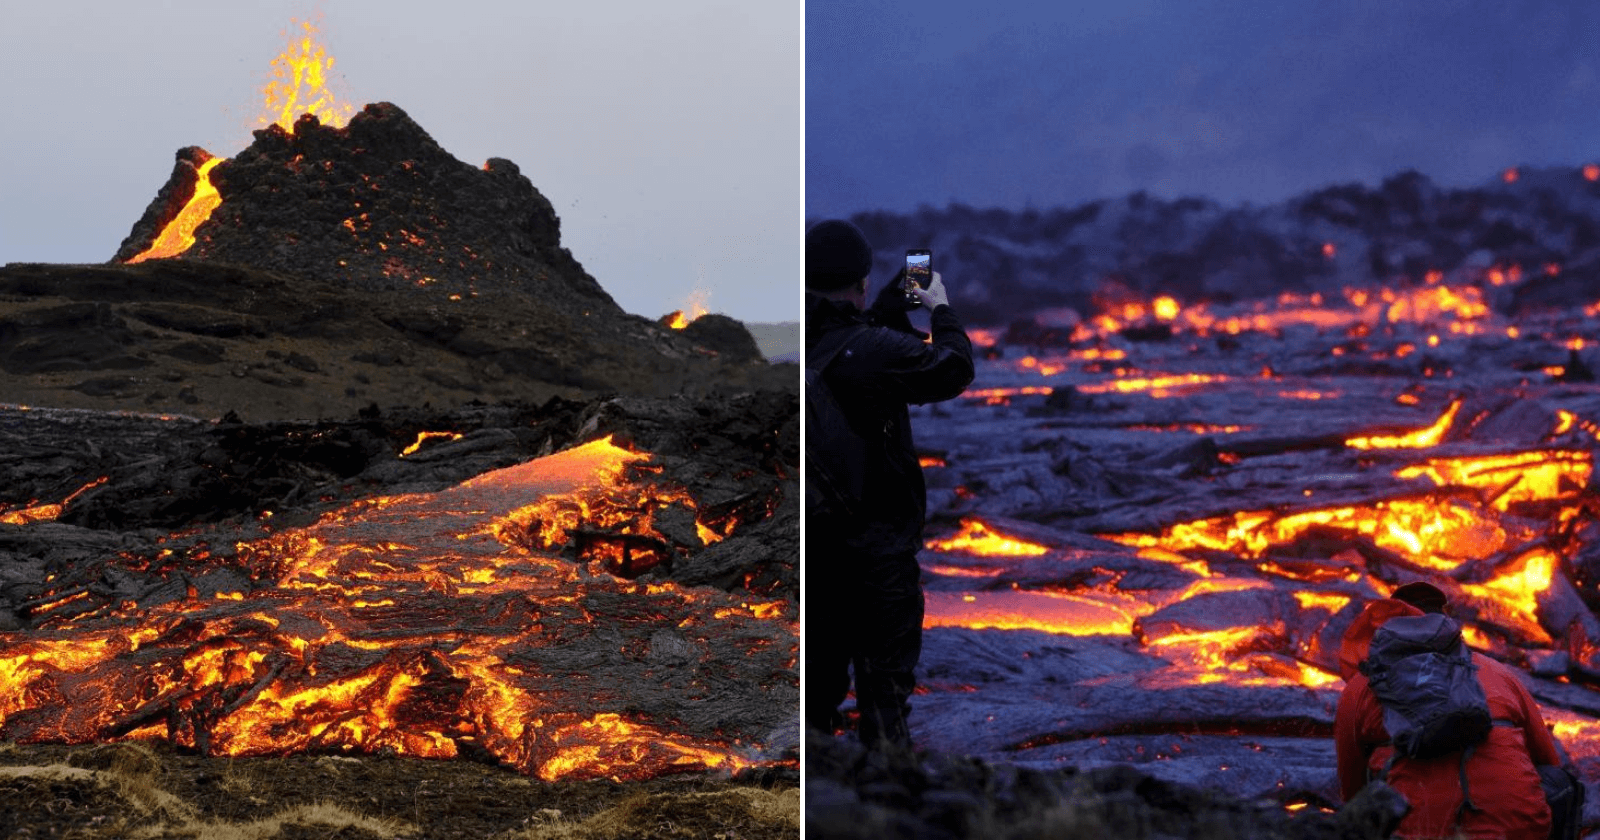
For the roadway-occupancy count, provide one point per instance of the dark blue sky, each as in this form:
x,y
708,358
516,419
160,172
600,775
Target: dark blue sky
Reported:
x,y
1011,104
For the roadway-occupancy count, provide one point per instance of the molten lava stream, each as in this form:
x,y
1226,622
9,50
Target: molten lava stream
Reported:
x,y
1069,614
35,512
407,624
178,235
1579,735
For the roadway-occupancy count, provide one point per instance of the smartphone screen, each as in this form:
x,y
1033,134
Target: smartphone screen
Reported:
x,y
919,267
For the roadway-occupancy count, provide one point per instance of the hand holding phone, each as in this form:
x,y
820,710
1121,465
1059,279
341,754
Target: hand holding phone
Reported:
x,y
918,273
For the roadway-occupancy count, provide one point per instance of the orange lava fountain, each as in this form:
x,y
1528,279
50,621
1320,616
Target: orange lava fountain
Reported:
x,y
300,85
697,307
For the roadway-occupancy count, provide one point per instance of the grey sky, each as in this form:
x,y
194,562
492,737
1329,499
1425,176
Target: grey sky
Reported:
x,y
1017,102
667,135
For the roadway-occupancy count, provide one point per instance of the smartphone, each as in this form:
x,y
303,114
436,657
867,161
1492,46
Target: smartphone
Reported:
x,y
919,269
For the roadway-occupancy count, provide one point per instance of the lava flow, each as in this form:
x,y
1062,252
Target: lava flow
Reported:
x,y
178,235
487,619
1160,524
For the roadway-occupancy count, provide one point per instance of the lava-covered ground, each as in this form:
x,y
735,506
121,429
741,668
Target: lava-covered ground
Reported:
x,y
1147,537
183,536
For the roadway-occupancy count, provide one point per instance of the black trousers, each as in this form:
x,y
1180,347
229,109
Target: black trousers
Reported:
x,y
863,612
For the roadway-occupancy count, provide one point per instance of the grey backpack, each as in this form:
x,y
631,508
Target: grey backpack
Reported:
x,y
1424,678
1422,674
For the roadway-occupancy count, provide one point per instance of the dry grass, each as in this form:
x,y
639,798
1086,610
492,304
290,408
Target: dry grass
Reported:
x,y
121,783
143,791
720,815
323,815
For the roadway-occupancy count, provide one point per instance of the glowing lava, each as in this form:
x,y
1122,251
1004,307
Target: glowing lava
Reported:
x,y
1157,386
1052,612
1419,439
300,85
424,437
1539,475
422,625
976,537
178,235
697,306
40,513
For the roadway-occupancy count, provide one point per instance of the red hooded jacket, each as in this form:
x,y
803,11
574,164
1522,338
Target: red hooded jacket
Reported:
x,y
1500,773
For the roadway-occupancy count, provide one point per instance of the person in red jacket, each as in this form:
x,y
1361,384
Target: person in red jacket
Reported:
x,y
1500,773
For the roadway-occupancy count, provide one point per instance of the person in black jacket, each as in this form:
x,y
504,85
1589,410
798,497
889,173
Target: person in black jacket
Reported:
x,y
863,585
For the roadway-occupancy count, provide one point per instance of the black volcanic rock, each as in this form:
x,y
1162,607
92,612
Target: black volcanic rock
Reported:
x,y
347,267
1526,242
203,338
724,336
377,205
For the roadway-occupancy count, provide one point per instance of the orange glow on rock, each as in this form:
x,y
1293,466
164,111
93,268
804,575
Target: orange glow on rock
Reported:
x,y
1330,601
1157,385
1434,535
1540,475
1196,428
1437,534
424,437
1419,439
1516,590
1002,396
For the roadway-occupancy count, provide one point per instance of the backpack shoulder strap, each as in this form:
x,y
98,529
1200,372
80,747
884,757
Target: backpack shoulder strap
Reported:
x,y
831,346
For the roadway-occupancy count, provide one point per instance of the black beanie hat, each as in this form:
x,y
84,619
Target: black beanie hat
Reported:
x,y
837,256
1422,595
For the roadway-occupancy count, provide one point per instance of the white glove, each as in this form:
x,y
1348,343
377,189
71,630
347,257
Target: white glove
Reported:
x,y
932,297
